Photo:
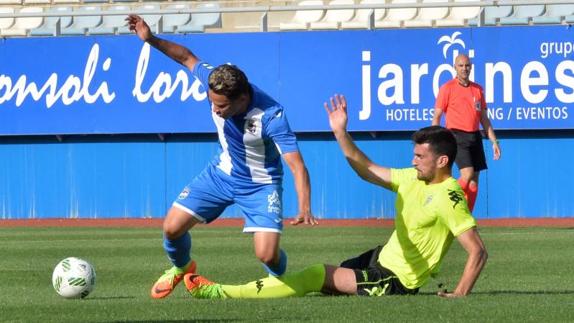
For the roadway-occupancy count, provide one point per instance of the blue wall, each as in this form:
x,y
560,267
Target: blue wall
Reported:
x,y
124,176
116,84
99,86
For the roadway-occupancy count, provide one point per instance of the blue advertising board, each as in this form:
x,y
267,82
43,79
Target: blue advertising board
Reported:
x,y
117,84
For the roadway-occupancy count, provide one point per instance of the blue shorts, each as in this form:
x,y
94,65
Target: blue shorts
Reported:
x,y
207,196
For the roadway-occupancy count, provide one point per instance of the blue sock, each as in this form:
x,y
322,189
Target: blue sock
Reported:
x,y
280,268
178,250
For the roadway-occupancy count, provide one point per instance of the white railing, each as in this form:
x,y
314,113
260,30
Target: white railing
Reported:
x,y
261,9
163,8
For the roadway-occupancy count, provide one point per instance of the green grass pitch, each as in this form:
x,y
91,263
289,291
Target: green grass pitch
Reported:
x,y
528,278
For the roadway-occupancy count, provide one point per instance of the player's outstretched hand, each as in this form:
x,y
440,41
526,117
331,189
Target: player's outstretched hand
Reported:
x,y
337,112
139,26
306,218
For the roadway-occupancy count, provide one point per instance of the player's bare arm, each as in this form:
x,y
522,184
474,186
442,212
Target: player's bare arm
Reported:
x,y
487,126
174,51
477,256
302,186
363,166
436,117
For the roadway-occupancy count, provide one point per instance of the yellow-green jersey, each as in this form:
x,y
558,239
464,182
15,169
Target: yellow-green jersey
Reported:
x,y
428,218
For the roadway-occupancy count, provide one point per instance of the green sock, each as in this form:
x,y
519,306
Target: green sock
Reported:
x,y
308,280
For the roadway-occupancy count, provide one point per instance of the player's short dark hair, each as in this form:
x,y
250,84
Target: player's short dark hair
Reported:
x,y
228,80
441,141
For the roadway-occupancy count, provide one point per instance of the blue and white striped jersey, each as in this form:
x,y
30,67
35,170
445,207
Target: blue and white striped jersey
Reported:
x,y
251,144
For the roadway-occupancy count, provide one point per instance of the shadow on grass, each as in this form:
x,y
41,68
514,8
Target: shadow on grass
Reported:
x,y
95,298
525,292
180,321
513,292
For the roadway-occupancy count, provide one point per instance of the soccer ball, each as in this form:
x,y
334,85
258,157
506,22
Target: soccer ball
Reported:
x,y
74,278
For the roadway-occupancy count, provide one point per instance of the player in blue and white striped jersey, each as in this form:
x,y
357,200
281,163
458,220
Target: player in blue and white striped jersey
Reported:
x,y
253,134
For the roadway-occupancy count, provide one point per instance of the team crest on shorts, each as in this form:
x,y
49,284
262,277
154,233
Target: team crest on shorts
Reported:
x,y
274,203
183,195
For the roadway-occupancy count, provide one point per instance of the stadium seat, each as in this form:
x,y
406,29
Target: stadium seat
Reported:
x,y
427,16
172,21
81,24
52,25
362,16
555,14
396,17
303,18
31,22
334,17
492,15
153,20
569,19
111,24
22,26
522,15
6,23
66,1
27,2
199,21
459,16
245,21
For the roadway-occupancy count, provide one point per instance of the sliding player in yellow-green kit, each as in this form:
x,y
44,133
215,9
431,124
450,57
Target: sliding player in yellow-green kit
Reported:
x,y
431,212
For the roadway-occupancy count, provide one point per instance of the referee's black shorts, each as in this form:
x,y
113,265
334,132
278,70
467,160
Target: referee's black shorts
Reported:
x,y
374,279
470,152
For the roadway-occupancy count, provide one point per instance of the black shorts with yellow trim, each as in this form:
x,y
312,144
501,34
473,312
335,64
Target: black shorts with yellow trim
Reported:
x,y
374,279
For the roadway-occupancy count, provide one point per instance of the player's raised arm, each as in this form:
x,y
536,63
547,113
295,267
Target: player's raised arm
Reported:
x,y
174,51
363,166
477,256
